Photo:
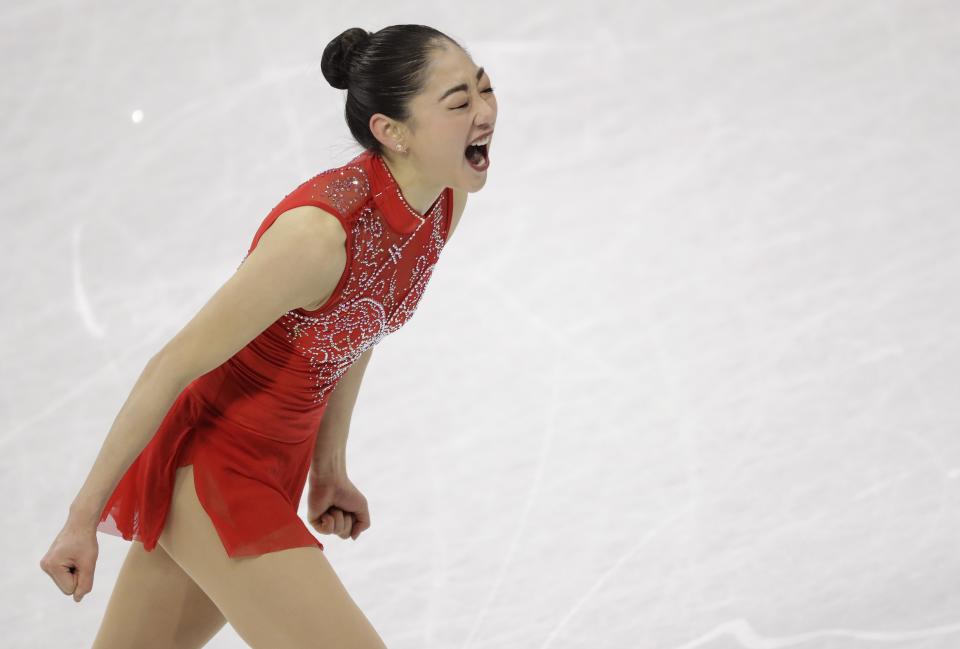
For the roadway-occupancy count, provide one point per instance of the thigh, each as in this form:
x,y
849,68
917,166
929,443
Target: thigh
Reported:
x,y
156,605
286,599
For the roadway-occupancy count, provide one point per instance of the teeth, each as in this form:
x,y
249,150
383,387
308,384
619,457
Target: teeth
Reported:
x,y
480,142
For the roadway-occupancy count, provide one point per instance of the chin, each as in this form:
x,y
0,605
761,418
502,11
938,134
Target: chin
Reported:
x,y
471,188
474,182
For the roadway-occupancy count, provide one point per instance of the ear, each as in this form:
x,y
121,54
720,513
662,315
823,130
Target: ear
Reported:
x,y
386,130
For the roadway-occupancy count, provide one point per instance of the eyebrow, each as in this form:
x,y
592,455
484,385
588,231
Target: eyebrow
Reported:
x,y
462,86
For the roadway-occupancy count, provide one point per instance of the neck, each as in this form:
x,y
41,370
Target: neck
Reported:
x,y
417,194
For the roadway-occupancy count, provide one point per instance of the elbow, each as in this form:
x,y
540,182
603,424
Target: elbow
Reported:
x,y
161,367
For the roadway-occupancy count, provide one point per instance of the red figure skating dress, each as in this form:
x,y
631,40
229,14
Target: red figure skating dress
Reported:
x,y
249,426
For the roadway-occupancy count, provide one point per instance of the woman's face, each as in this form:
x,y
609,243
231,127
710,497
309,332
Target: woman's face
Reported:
x,y
455,108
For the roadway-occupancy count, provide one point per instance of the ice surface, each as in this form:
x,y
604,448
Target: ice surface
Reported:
x,y
685,376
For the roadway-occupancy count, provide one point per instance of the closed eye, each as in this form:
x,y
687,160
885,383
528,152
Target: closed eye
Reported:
x,y
490,89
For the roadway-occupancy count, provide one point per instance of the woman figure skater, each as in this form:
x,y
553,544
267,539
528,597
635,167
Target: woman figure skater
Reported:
x,y
207,459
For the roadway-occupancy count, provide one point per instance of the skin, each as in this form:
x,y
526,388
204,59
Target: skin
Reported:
x,y
265,287
435,136
432,141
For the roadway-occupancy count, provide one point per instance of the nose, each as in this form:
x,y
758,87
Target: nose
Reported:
x,y
486,116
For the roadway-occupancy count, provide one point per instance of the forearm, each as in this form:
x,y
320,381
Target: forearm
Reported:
x,y
331,447
134,426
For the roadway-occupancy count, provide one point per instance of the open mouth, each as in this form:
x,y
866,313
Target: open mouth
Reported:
x,y
477,156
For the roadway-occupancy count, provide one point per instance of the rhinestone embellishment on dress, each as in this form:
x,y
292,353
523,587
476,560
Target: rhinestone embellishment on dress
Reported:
x,y
386,275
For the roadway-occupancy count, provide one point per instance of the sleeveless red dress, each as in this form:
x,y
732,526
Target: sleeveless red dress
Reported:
x,y
249,426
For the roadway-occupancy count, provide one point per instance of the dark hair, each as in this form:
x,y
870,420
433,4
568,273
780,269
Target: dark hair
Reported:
x,y
381,72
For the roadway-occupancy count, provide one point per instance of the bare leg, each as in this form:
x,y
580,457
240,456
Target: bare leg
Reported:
x,y
290,599
155,605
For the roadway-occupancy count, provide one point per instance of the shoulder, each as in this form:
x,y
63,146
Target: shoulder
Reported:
x,y
340,191
307,233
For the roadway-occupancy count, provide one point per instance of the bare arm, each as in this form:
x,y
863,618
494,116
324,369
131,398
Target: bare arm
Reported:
x,y
298,260
330,452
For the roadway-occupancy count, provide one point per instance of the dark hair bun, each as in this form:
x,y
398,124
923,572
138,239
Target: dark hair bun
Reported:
x,y
382,72
337,55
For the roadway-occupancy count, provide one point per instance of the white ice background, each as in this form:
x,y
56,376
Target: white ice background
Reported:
x,y
685,376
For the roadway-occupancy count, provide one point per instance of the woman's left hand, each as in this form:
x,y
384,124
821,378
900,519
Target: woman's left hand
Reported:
x,y
72,559
336,506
